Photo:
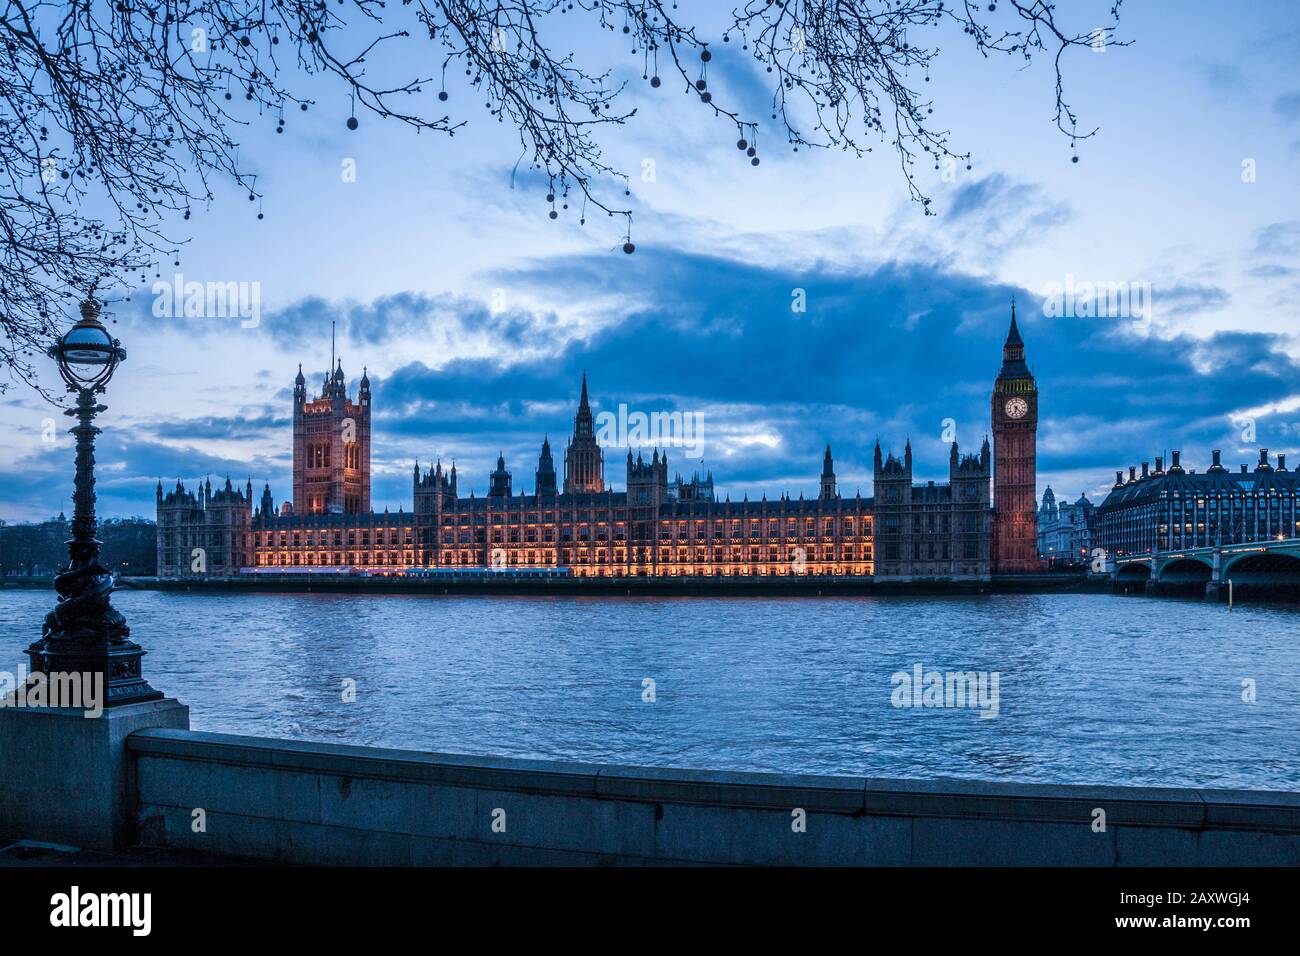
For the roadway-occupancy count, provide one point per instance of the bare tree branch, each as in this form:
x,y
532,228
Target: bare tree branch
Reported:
x,y
117,117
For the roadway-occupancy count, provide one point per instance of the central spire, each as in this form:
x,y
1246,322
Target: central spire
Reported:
x,y
1013,353
828,475
584,462
1013,334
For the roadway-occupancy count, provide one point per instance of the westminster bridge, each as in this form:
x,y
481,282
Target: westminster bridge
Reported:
x,y
1271,566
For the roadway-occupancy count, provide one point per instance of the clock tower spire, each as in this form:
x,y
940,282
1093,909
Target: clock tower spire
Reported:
x,y
1015,472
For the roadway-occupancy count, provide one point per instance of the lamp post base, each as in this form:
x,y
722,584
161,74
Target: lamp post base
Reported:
x,y
86,635
119,663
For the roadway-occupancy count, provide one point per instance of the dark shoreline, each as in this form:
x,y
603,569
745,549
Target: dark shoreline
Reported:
x,y
503,583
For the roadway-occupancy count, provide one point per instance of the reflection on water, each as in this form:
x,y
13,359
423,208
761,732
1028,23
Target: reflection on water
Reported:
x,y
1093,688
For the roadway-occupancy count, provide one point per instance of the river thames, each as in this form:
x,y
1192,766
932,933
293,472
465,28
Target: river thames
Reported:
x,y
1093,689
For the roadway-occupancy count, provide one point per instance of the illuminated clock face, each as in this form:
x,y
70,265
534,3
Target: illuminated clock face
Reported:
x,y
1016,408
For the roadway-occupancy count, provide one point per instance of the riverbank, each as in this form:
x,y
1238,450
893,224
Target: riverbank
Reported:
x,y
505,582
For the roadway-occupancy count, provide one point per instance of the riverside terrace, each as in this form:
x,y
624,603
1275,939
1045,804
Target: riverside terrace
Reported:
x,y
289,801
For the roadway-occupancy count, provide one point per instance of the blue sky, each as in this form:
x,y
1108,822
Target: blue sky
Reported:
x,y
476,314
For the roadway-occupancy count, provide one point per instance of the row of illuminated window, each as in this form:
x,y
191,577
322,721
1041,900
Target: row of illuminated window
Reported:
x,y
464,535
1201,497
564,556
334,559
726,570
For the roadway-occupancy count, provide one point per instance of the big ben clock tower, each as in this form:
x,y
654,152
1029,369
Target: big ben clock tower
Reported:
x,y
1015,429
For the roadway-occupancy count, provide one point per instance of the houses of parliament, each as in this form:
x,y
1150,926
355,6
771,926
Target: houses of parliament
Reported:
x,y
578,524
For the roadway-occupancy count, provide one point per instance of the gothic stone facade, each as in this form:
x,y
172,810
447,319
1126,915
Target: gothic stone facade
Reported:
x,y
932,530
1015,455
653,526
205,532
1065,530
331,447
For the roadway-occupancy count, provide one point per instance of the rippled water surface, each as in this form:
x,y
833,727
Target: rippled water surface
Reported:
x,y
1093,688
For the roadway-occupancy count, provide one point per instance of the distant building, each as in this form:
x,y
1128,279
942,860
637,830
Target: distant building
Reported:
x,y
1166,510
1065,530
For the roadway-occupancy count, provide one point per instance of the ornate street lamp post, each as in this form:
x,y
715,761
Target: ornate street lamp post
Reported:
x,y
84,633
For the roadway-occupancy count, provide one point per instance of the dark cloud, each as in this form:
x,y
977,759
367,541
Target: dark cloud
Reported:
x,y
1185,300
376,323
396,316
127,468
986,195
890,351
994,215
744,88
223,428
1287,106
1219,75
1271,271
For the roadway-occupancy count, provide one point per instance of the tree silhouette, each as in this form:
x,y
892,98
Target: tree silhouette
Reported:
x,y
118,116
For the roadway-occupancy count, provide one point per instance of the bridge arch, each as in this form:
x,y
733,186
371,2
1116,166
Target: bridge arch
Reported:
x,y
1132,578
1186,571
1134,571
1270,573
